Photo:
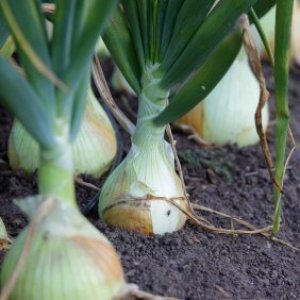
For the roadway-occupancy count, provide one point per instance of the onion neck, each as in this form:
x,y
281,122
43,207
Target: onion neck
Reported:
x,y
152,101
55,174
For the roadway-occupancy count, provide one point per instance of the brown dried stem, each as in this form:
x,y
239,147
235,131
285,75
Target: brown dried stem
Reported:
x,y
105,93
256,66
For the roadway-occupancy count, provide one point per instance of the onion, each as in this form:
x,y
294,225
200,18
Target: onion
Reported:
x,y
68,258
227,113
94,148
138,195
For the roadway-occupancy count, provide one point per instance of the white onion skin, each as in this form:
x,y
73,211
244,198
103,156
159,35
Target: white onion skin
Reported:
x,y
227,115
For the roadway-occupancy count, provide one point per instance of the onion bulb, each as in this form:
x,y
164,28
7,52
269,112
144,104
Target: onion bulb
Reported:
x,y
134,197
68,258
227,115
139,193
94,148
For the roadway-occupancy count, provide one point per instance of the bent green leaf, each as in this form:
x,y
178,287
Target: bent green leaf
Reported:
x,y
203,81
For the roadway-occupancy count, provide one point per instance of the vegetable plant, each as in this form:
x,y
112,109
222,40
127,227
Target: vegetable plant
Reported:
x,y
95,145
158,46
181,103
49,101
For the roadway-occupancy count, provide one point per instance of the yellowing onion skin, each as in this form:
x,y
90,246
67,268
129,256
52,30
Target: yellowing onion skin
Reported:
x,y
227,115
94,148
136,201
68,259
136,216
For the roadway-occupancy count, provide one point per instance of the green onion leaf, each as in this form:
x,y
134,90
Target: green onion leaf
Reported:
x,y
85,32
62,34
143,10
284,11
3,30
118,40
261,7
203,81
131,10
215,27
79,105
31,40
172,9
22,101
186,26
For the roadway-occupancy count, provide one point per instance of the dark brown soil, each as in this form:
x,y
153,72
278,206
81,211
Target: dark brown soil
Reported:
x,y
192,263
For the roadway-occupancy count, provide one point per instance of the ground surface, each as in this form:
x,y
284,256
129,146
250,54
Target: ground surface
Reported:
x,y
192,263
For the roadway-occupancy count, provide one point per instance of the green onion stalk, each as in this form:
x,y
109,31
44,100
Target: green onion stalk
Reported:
x,y
153,44
60,255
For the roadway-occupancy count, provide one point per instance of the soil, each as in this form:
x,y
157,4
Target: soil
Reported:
x,y
193,263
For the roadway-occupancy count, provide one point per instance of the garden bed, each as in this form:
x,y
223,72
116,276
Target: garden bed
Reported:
x,y
192,263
